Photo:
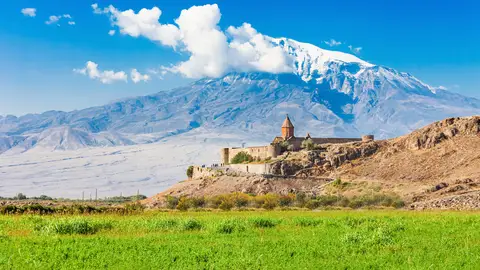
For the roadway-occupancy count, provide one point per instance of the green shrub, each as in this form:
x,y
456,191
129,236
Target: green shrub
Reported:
x,y
286,200
183,204
198,202
261,222
308,144
300,199
307,221
270,201
162,224
72,226
172,202
241,157
190,171
191,225
241,199
230,226
134,207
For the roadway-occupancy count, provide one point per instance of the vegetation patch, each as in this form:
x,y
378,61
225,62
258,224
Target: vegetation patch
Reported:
x,y
242,157
72,226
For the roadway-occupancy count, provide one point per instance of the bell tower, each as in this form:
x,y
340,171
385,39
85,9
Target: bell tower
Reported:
x,y
287,128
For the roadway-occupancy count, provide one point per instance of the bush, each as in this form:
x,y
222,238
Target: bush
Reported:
x,y
72,226
240,199
241,157
198,202
162,224
134,207
190,171
172,202
230,226
286,200
20,196
191,225
307,221
308,144
284,145
300,199
264,222
183,204
270,201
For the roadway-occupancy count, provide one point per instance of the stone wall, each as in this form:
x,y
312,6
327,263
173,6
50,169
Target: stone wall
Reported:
x,y
252,168
261,152
199,172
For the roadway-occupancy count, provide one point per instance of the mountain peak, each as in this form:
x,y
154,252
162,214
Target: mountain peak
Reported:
x,y
311,60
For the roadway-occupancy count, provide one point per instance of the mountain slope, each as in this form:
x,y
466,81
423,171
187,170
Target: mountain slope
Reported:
x,y
329,94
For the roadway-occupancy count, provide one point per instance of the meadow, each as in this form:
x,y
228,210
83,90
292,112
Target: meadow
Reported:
x,y
354,239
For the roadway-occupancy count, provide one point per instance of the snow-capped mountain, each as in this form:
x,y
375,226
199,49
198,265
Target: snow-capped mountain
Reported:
x,y
329,94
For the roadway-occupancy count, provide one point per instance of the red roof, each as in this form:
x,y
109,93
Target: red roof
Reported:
x,y
287,123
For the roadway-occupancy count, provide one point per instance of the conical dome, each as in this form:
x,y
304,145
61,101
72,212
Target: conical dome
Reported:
x,y
287,123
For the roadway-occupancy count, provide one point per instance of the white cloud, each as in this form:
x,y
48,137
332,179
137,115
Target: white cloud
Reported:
x,y
355,50
211,51
137,77
144,23
111,32
56,19
332,42
106,77
30,12
251,50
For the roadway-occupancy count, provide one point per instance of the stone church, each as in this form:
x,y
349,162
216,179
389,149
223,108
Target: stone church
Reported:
x,y
274,149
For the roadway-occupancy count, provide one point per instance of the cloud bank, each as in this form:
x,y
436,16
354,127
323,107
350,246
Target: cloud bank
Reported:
x,y
212,52
56,19
138,77
29,12
106,77
109,76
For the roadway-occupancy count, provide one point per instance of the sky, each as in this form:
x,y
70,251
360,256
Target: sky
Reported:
x,y
67,55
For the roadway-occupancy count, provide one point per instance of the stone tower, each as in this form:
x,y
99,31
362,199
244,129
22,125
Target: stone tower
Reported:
x,y
287,128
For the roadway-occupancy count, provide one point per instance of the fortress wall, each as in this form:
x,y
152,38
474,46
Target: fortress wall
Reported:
x,y
335,140
199,172
261,152
251,168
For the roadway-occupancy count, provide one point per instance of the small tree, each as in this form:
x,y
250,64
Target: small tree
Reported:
x,y
172,202
286,200
183,204
284,145
240,199
190,171
308,144
241,157
270,201
20,196
300,199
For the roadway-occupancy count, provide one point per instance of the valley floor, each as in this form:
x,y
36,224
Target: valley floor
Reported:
x,y
243,240
147,168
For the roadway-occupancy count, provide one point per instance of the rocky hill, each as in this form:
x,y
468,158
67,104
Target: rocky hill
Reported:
x,y
437,166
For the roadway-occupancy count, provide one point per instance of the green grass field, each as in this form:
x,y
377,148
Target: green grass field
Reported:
x,y
368,239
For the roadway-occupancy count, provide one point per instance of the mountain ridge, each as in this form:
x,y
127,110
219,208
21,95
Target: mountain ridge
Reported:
x,y
330,94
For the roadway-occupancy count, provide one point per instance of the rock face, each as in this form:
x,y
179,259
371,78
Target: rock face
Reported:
x,y
440,131
339,154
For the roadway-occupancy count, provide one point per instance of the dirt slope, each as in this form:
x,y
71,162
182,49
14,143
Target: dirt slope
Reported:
x,y
437,166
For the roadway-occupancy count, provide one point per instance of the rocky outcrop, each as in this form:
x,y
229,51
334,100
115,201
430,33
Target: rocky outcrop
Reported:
x,y
339,154
469,201
438,132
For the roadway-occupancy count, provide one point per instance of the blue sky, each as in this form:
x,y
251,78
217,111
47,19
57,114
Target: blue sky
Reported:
x,y
437,41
